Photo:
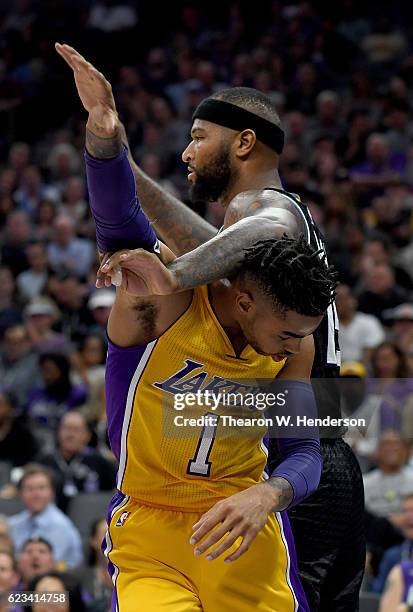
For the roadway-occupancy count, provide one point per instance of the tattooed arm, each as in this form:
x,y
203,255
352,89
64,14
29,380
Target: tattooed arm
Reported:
x,y
178,226
221,256
393,592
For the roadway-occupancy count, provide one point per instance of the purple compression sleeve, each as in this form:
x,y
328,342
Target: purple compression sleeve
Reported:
x,y
119,218
301,460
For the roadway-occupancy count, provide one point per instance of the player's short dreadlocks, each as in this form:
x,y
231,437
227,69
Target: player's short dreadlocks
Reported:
x,y
292,273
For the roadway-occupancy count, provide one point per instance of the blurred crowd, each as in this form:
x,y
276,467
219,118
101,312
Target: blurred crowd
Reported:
x,y
342,80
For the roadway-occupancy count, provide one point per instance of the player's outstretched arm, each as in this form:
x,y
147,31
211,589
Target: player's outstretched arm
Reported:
x,y
245,514
178,226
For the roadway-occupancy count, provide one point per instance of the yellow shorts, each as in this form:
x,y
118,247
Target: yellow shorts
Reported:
x,y
154,569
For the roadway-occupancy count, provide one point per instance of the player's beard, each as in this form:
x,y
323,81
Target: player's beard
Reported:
x,y
214,180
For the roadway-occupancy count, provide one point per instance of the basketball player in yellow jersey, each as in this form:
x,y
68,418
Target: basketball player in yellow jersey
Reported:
x,y
206,488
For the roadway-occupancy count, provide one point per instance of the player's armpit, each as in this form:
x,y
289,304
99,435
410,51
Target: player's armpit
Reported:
x,y
135,319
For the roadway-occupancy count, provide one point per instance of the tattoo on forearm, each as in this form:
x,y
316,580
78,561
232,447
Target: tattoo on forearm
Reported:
x,y
286,492
222,256
178,226
101,147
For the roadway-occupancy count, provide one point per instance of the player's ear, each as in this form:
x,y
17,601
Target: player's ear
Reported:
x,y
245,143
245,302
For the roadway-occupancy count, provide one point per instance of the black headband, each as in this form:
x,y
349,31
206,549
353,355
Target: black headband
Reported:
x,y
236,118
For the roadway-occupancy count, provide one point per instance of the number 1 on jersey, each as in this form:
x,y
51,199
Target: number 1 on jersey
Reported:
x,y
199,465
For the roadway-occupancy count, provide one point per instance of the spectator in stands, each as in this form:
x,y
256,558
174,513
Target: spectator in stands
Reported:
x,y
386,486
59,582
352,145
328,119
66,251
96,583
8,578
19,158
359,332
381,291
49,402
63,162
6,541
35,557
18,364
45,215
18,445
75,205
100,304
403,551
42,518
32,190
401,320
90,360
379,168
357,403
90,371
77,467
398,593
32,281
41,314
377,250
17,236
69,294
397,119
394,389
10,313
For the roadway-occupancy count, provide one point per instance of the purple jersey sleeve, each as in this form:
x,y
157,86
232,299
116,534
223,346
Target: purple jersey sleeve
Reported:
x,y
121,367
301,465
301,460
119,218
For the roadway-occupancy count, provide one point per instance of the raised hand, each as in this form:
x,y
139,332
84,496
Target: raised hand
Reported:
x,y
94,90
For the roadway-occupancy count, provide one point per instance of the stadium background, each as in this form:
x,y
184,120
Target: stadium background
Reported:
x,y
342,80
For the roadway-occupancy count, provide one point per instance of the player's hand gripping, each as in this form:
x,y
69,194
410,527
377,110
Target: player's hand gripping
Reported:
x,y
94,91
139,273
242,515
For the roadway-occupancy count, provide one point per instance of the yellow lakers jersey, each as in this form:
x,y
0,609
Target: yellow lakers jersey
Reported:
x,y
174,446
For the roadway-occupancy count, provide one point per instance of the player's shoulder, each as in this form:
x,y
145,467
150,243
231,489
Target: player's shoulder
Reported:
x,y
256,201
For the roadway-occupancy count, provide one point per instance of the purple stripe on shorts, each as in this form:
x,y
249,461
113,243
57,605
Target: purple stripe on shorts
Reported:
x,y
116,501
115,602
121,364
294,577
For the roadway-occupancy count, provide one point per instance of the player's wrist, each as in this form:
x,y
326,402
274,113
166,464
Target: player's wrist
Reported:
x,y
103,142
270,497
103,125
282,493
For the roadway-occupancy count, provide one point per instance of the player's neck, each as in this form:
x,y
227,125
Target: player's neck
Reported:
x,y
252,180
221,302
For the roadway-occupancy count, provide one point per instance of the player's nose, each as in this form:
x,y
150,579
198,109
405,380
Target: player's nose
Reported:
x,y
187,154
